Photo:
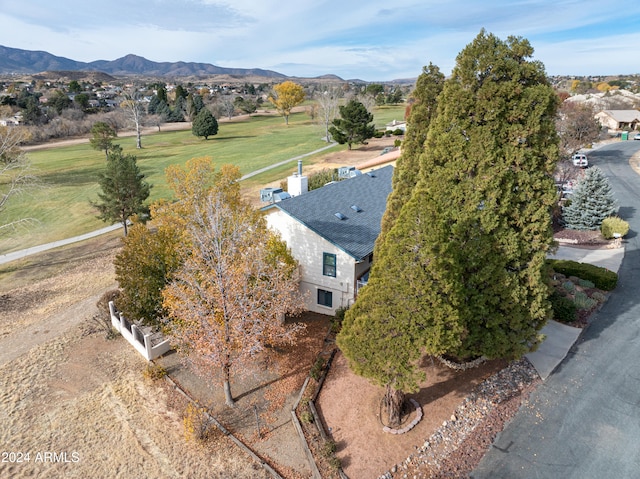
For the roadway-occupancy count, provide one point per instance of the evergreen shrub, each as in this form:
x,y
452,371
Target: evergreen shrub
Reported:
x,y
338,318
585,283
614,224
569,286
583,301
563,308
602,278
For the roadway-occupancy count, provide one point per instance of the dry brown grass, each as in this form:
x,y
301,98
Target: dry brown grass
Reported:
x,y
64,388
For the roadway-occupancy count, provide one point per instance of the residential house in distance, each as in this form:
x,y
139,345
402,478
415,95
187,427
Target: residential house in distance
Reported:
x,y
331,231
618,120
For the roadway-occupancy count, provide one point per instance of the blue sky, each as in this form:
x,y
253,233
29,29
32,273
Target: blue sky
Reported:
x,y
373,40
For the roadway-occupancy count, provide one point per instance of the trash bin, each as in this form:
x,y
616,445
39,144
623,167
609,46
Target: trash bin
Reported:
x,y
625,135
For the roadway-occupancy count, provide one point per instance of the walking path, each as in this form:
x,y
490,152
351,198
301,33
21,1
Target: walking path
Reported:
x,y
6,258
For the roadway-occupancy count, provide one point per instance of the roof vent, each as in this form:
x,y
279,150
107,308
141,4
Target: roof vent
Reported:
x,y
371,174
345,172
340,216
356,208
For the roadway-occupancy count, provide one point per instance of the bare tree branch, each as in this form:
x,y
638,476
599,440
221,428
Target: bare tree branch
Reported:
x,y
328,102
17,176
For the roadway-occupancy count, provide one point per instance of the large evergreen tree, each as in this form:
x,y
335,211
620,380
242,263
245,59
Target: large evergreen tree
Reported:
x,y
592,201
460,269
354,126
124,189
204,124
488,166
423,110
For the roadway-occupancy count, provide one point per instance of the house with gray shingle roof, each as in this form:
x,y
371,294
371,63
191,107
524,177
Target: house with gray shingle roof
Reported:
x,y
616,120
331,231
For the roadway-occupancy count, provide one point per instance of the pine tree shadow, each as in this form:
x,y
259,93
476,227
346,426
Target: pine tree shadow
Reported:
x,y
444,381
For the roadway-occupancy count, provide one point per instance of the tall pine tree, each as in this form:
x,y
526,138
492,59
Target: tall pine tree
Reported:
x,y
488,169
405,176
123,189
354,126
460,269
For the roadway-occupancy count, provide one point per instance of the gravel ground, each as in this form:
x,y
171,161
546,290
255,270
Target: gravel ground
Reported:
x,y
456,448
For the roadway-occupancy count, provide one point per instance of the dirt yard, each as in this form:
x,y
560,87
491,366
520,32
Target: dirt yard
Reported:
x,y
68,391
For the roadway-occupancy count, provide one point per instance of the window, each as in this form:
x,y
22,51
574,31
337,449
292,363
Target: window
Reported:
x,y
329,264
325,298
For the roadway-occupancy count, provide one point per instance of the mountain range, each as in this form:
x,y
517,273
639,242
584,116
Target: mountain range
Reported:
x,y
17,61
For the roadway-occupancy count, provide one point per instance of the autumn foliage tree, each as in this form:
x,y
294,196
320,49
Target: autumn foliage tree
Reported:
x,y
143,266
577,126
236,282
151,252
285,97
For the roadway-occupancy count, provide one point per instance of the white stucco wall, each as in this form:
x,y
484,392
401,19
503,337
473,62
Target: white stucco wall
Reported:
x,y
308,248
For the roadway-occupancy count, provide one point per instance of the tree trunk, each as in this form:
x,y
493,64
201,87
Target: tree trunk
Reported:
x,y
228,398
394,399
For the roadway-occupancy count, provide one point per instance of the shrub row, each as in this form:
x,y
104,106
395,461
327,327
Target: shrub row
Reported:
x,y
602,278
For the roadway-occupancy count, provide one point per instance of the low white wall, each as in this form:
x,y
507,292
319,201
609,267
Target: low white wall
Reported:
x,y
138,339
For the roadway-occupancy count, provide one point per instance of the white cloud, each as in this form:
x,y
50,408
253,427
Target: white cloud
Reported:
x,y
374,40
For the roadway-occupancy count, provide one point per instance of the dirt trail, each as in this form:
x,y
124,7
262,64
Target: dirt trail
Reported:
x,y
14,345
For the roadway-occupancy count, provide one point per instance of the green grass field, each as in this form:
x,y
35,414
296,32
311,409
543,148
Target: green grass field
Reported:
x,y
62,208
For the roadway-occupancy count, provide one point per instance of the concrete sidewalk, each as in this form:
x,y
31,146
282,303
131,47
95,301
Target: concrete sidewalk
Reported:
x,y
23,253
560,337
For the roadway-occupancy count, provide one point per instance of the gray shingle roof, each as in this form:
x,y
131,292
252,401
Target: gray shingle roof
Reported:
x,y
320,209
624,116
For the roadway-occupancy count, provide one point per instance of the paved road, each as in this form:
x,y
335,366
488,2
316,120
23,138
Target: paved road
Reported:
x,y
584,420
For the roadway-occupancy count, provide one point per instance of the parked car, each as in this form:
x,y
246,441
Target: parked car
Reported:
x,y
580,160
637,137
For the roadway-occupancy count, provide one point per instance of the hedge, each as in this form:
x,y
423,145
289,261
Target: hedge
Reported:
x,y
602,278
